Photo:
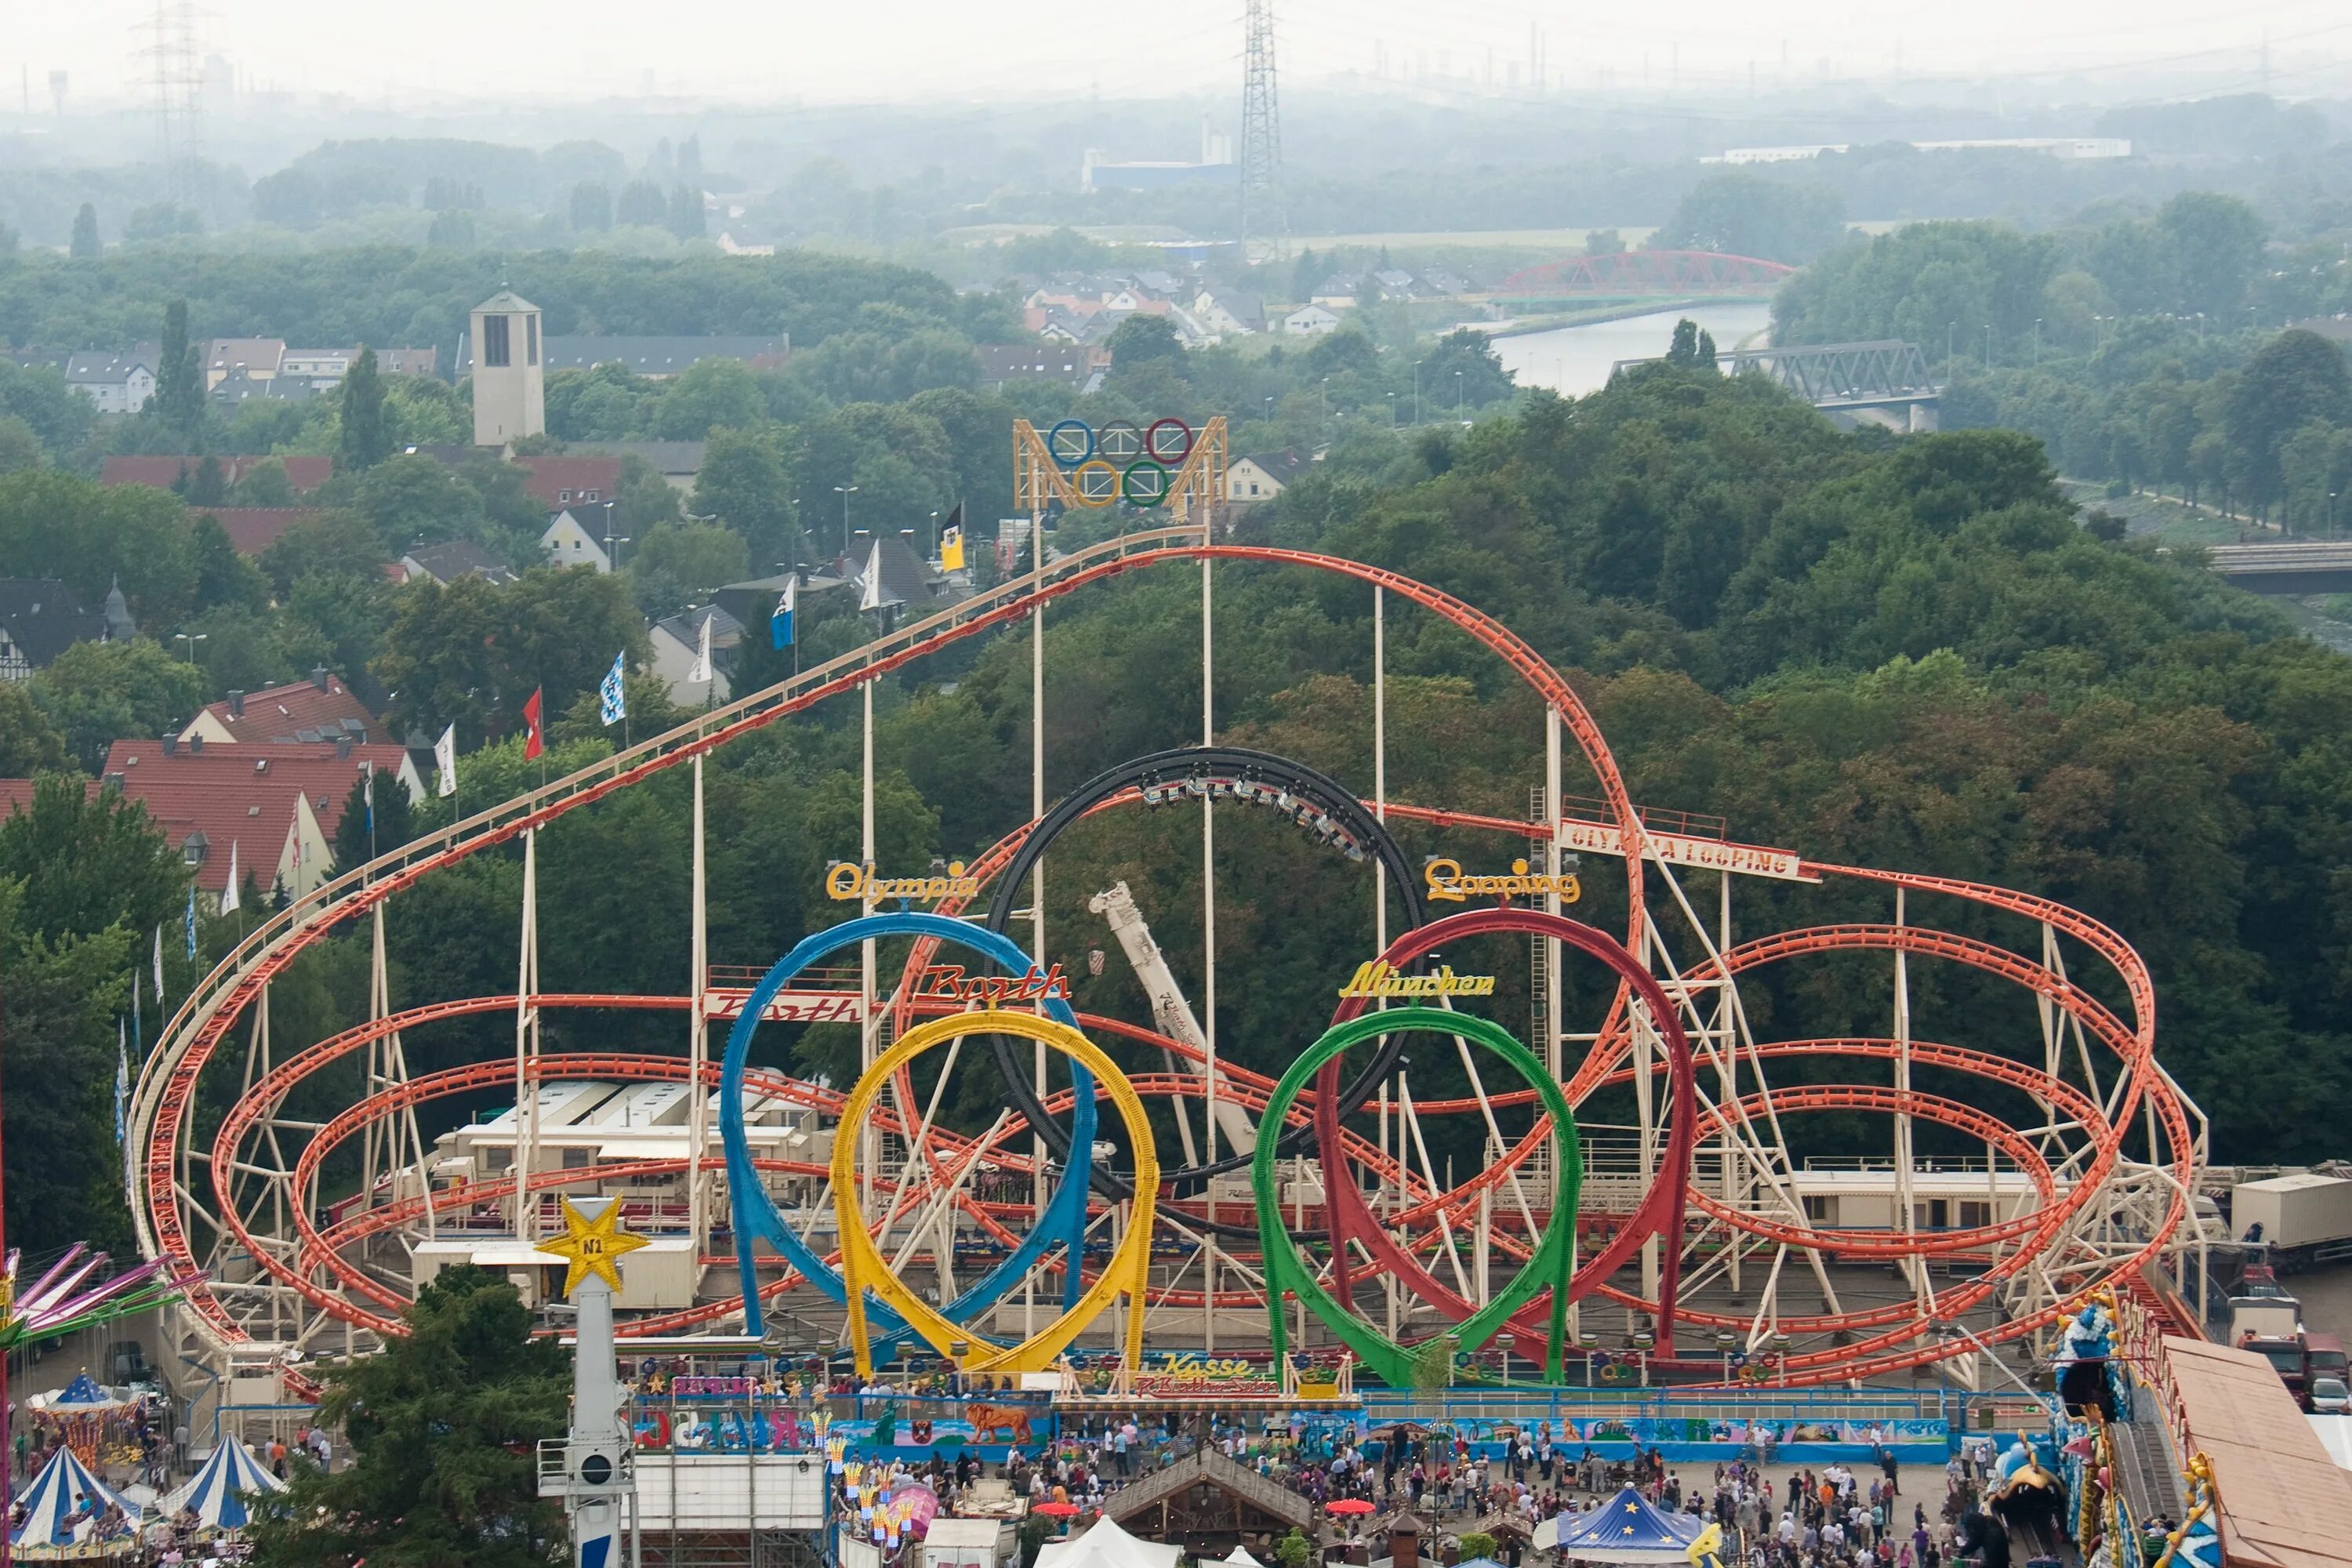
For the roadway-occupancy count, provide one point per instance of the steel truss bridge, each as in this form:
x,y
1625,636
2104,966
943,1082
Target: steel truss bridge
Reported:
x,y
1884,382
1649,274
2093,1187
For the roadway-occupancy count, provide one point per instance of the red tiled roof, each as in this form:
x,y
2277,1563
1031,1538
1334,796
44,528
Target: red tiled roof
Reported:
x,y
551,476
161,473
17,794
254,528
280,714
242,796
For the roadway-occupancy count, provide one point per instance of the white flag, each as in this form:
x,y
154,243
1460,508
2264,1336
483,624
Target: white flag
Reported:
x,y
700,674
121,1078
871,599
231,901
445,760
159,968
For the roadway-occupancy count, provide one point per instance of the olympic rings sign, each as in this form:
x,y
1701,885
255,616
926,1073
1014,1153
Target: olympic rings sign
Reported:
x,y
1118,444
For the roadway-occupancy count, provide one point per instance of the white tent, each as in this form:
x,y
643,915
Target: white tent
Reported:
x,y
1240,1558
215,1491
2335,1433
1106,1545
61,1490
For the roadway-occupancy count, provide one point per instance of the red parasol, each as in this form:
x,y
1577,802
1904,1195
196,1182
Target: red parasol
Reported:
x,y
1348,1505
1056,1510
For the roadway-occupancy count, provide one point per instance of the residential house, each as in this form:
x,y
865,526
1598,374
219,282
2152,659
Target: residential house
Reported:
x,y
304,474
320,711
448,560
258,358
1445,285
239,386
655,358
678,462
254,528
568,542
559,482
677,643
1229,313
1396,283
118,381
40,618
324,368
1309,321
1262,476
1337,292
274,809
1065,362
905,579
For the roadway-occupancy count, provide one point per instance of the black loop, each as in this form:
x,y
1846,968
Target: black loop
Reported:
x,y
1333,801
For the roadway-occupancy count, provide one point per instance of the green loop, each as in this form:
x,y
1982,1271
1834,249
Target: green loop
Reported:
x,y
1553,1263
1127,483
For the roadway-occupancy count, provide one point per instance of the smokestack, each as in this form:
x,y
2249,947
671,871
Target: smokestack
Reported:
x,y
235,703
319,676
171,742
196,744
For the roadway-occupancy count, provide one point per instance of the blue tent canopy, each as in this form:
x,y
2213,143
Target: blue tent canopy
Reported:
x,y
65,1488
217,1490
1627,1529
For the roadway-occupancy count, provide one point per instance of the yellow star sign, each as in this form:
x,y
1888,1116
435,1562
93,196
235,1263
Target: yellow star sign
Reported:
x,y
592,1245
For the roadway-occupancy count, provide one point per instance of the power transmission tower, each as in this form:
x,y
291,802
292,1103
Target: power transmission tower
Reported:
x,y
1265,227
174,52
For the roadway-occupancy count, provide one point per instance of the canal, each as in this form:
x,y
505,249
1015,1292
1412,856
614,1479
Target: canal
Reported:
x,y
1574,361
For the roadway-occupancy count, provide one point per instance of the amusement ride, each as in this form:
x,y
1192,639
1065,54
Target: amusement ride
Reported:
x,y
1137,1192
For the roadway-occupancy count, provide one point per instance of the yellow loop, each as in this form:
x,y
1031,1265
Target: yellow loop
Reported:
x,y
862,1265
1094,466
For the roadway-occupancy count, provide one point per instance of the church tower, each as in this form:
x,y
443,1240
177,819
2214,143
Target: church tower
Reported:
x,y
509,381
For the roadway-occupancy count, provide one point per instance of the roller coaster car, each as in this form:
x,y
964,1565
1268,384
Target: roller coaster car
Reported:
x,y
2031,1502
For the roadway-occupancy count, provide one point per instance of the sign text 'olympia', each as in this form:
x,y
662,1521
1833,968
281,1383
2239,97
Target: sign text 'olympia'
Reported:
x,y
846,881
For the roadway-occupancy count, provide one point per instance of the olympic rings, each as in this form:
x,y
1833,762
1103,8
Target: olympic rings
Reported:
x,y
1143,483
755,1213
864,1267
1162,451
1096,482
1552,1265
1071,442
1118,442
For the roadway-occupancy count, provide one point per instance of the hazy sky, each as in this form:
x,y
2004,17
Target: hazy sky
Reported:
x,y
909,48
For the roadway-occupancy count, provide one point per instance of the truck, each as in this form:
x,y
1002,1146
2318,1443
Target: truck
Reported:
x,y
2298,1220
2278,1316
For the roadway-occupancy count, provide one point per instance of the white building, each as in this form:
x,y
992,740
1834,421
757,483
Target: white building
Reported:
x,y
568,542
1309,321
509,381
119,383
677,643
1262,476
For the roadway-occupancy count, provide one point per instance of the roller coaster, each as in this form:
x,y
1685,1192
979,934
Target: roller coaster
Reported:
x,y
1690,1232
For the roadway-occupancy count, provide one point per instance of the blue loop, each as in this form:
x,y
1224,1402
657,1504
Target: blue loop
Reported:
x,y
755,1213
1053,451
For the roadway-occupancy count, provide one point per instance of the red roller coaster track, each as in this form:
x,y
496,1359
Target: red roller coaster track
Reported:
x,y
1892,1337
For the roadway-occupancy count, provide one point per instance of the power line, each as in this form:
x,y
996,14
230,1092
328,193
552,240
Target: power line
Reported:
x,y
1266,222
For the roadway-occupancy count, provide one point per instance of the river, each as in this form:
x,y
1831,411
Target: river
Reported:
x,y
1574,361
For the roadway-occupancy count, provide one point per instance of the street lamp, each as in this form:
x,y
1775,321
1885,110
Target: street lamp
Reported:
x,y
611,545
1457,395
192,640
844,492
935,533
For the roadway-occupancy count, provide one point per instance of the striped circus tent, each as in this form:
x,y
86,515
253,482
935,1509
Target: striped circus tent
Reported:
x,y
216,1491
54,1496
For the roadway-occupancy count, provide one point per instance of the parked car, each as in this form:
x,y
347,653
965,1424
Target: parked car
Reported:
x,y
2330,1397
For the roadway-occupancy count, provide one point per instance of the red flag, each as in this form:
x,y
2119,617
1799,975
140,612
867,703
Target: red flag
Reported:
x,y
534,739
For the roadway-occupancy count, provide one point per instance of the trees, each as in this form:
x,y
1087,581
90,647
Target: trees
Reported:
x,y
2214,243
362,834
2296,378
742,483
685,213
470,653
1142,338
642,202
85,244
29,743
443,1425
179,402
708,394
363,438
1744,213
592,207
677,563
97,693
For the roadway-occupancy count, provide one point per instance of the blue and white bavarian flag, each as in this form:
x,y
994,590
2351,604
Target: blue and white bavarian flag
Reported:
x,y
615,703
780,625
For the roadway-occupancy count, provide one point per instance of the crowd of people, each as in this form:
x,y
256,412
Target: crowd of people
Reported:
x,y
1829,1516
